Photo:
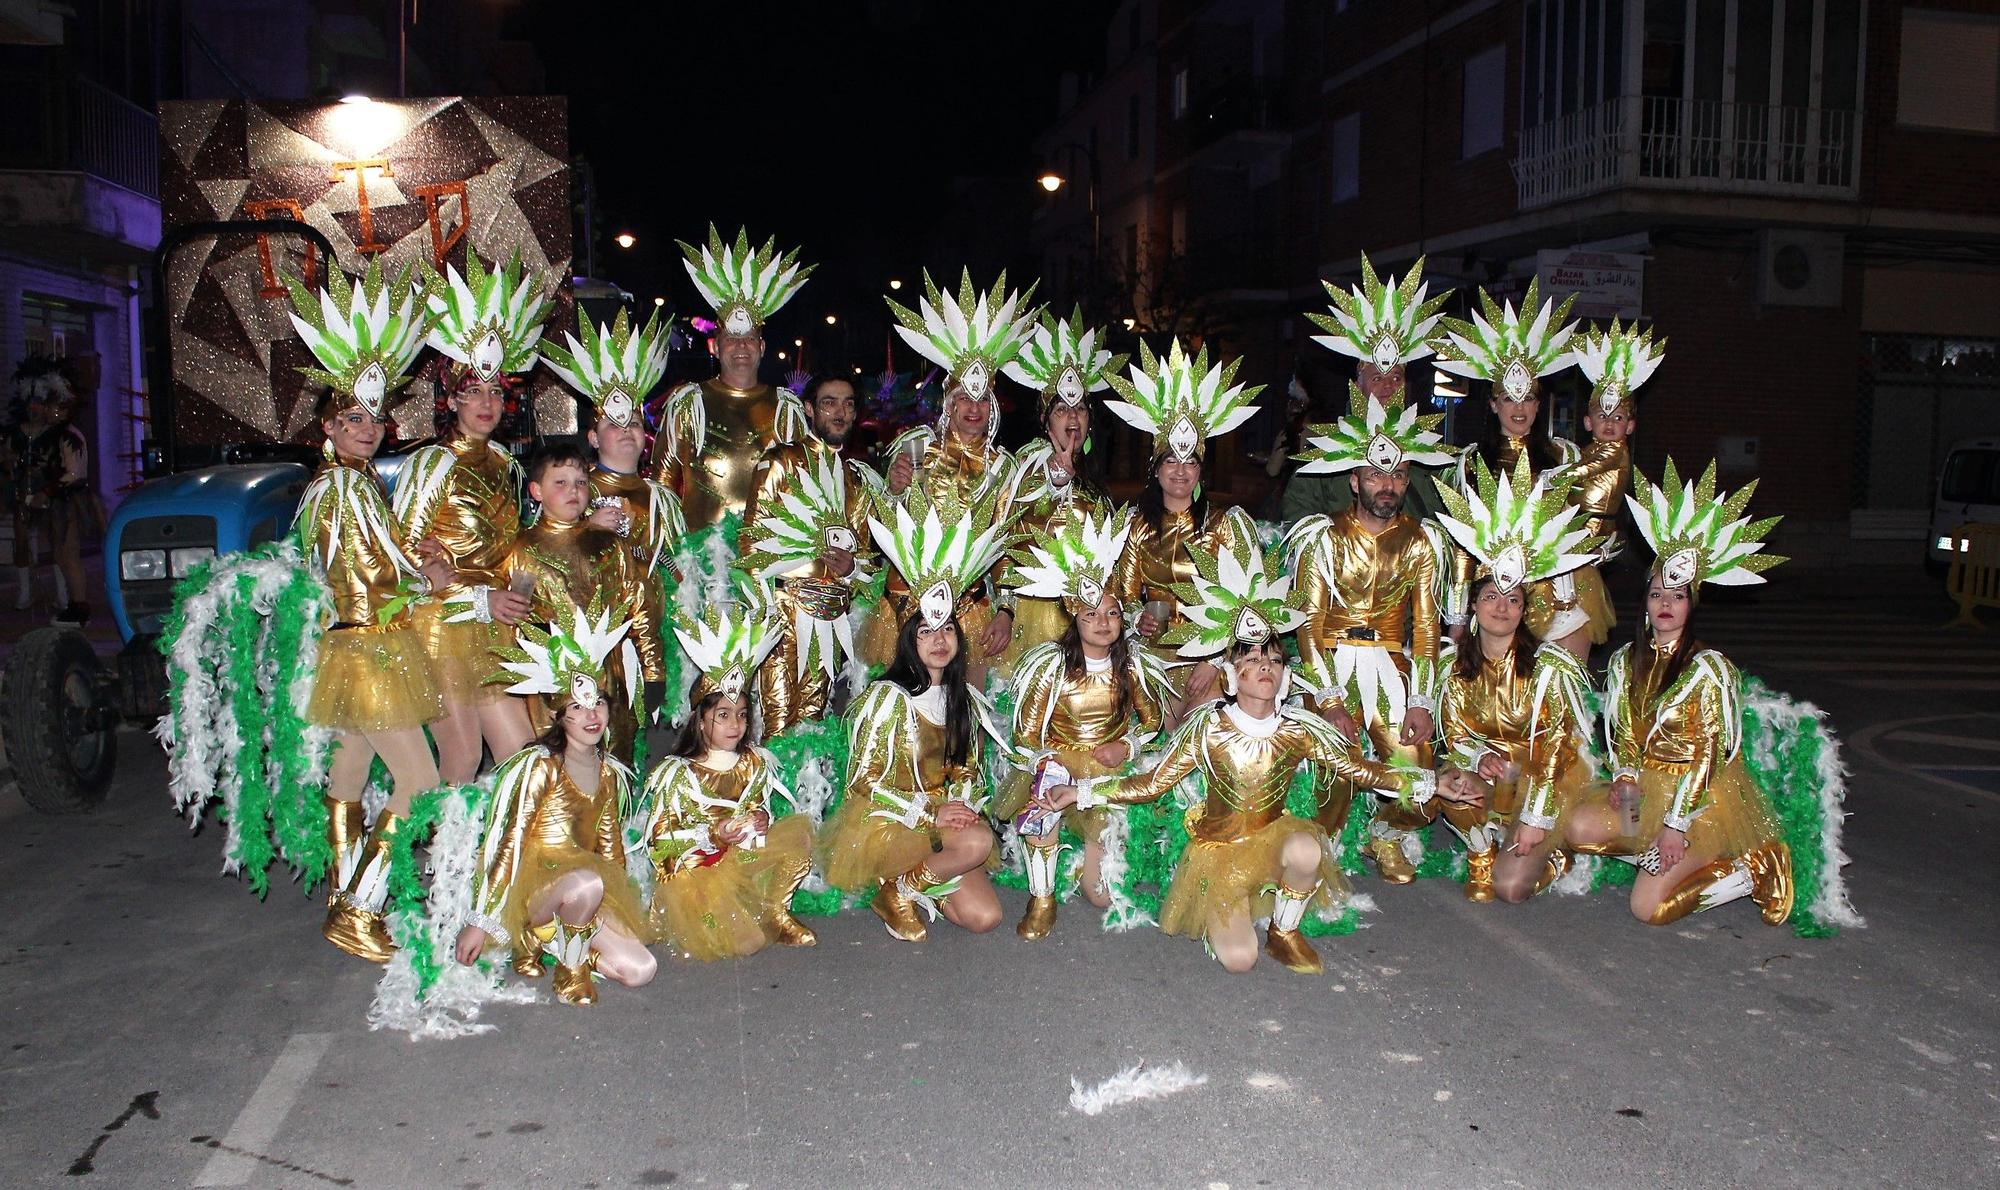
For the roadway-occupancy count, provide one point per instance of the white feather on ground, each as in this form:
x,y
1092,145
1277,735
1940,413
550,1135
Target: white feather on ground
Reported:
x,y
1131,1085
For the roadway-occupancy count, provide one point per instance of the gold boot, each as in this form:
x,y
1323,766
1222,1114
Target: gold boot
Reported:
x,y
1390,861
897,913
576,963
1554,868
528,964
1479,875
1041,915
1695,892
1771,886
346,832
354,921
785,929
1283,940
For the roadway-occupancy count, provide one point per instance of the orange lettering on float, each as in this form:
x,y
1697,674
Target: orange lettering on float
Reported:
x,y
361,168
268,208
442,242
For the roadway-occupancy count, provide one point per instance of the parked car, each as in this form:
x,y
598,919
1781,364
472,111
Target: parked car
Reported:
x,y
1968,491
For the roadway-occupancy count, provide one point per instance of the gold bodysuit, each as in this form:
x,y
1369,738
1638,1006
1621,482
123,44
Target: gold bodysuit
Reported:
x,y
1070,717
542,826
1156,559
1048,512
717,435
464,494
1495,711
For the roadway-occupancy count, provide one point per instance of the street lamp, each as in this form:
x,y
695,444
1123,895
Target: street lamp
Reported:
x,y
1052,180
831,319
624,239
798,342
895,282
659,301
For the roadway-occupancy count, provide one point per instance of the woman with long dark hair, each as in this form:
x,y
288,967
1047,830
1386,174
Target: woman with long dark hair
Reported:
x,y
1064,481
1680,801
1182,402
1084,703
909,819
724,870
552,874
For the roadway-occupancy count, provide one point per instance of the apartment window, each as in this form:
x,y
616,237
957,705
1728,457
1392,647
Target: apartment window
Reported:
x,y
1180,92
1949,76
1344,157
1132,127
1485,78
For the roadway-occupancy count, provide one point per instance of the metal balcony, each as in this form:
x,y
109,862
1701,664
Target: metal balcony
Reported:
x,y
72,124
1689,145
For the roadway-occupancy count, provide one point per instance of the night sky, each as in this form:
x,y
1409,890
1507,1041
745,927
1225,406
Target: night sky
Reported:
x,y
837,126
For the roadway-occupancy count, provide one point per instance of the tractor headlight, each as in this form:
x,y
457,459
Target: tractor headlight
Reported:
x,y
187,557
137,566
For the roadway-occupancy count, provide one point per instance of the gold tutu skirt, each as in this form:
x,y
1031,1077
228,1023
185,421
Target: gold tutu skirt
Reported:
x,y
1593,599
1738,817
720,911
858,852
547,863
1504,804
373,679
1216,881
1012,797
1036,622
462,655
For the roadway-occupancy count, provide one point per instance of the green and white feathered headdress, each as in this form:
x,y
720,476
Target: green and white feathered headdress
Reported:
x,y
486,322
1699,535
941,557
1065,361
726,644
1075,562
1374,435
1181,401
1517,529
972,336
1498,346
614,365
1237,596
1617,362
364,336
790,532
1384,324
745,286
567,661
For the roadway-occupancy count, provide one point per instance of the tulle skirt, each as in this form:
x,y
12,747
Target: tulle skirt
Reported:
x,y
722,911
1593,599
858,852
1216,881
1012,797
1738,817
372,680
1504,805
1036,622
547,863
462,655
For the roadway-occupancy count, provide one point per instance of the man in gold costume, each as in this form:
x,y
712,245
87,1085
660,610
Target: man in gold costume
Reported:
x,y
1367,580
806,529
713,434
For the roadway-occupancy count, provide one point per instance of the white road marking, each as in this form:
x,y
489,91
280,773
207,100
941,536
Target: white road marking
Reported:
x,y
1484,916
257,1125
1967,742
1902,684
1863,744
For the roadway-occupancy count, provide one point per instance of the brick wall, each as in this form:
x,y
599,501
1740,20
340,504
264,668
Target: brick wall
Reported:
x,y
1957,172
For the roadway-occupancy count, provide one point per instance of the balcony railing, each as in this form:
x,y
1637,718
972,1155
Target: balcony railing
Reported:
x,y
74,124
1689,144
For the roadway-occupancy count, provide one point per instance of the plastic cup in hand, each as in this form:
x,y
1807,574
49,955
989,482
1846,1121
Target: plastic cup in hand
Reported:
x,y
1159,610
1625,799
522,584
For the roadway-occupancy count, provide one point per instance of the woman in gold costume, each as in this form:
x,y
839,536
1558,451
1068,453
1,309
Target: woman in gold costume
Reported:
x,y
1247,858
1084,703
1514,716
1064,362
1680,800
458,501
372,682
724,871
552,879
910,814
1182,402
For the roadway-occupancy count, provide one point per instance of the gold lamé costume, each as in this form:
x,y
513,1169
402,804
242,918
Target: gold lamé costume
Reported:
x,y
1600,478
542,826
715,475
372,674
1069,716
1371,609
1048,511
463,493
654,524
1494,712
897,779
1682,745
1236,837
1156,559
952,475
786,695
568,564
711,899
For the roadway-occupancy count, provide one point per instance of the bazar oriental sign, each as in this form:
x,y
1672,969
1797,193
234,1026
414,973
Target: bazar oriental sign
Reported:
x,y
396,180
1606,284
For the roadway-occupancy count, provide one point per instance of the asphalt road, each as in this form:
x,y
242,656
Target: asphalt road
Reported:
x,y
164,1028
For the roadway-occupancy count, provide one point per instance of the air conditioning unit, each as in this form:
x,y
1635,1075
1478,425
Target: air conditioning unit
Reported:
x,y
1798,268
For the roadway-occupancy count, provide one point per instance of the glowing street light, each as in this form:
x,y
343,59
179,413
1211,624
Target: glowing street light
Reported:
x,y
781,355
895,282
659,301
830,320
624,239
1051,181
798,342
